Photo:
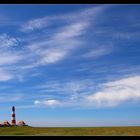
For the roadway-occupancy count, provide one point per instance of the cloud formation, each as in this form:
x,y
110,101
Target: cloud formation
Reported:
x,y
65,40
5,76
48,48
78,93
21,56
49,103
116,92
7,41
39,23
98,52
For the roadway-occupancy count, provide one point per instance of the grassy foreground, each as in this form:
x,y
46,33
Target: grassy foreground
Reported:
x,y
71,131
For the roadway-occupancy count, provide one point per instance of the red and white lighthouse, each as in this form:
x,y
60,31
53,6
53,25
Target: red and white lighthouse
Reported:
x,y
13,121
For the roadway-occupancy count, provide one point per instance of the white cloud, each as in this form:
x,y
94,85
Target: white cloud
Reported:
x,y
65,87
71,31
61,42
7,41
36,102
97,52
52,56
58,46
65,41
7,54
50,102
8,58
5,76
86,14
42,52
70,92
34,24
78,93
117,92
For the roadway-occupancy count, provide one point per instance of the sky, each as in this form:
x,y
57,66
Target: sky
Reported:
x,y
70,65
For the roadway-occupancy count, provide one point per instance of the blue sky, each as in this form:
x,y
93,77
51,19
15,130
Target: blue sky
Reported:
x,y
70,65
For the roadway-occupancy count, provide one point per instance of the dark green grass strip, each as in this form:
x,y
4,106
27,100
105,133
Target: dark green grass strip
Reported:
x,y
70,131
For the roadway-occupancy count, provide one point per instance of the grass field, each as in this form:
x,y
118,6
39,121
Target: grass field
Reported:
x,y
77,131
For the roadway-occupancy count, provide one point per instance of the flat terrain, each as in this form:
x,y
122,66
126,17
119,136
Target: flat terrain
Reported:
x,y
71,131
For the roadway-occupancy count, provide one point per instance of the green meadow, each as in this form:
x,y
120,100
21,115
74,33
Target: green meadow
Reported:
x,y
70,131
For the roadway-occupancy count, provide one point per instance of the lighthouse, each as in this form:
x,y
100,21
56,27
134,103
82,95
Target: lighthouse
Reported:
x,y
13,121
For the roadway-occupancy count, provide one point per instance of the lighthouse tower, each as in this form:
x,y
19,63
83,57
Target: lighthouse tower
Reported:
x,y
13,121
